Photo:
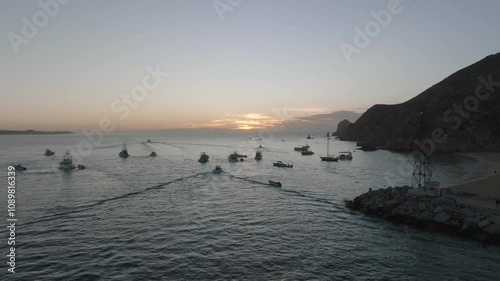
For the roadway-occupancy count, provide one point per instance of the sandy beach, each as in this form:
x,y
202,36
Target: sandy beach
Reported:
x,y
488,187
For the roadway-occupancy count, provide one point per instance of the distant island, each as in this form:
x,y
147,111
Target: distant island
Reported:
x,y
33,132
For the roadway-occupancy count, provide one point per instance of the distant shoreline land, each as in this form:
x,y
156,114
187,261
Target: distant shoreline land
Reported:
x,y
33,132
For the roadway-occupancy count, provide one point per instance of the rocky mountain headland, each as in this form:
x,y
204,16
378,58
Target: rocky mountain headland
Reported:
x,y
461,114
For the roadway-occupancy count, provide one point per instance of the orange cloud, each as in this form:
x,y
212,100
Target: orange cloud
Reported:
x,y
251,121
240,122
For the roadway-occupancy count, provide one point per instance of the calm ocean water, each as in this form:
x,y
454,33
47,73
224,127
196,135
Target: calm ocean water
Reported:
x,y
171,218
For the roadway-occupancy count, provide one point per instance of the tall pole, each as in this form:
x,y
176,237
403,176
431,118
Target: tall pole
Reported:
x,y
328,144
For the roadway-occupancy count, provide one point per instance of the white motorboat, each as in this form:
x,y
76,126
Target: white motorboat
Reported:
x,y
67,162
345,155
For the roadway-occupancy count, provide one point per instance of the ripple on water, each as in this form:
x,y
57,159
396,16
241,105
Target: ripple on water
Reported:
x,y
170,218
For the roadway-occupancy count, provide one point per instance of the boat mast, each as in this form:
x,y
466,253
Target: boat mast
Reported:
x,y
328,144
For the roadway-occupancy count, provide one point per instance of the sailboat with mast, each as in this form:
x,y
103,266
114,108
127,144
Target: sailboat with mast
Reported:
x,y
328,157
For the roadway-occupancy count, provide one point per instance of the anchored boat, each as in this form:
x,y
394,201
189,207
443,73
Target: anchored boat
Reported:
x,y
328,157
282,165
301,148
307,152
345,155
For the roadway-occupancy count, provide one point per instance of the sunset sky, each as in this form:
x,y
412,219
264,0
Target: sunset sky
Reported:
x,y
257,64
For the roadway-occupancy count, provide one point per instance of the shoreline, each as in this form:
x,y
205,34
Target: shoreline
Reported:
x,y
409,206
486,186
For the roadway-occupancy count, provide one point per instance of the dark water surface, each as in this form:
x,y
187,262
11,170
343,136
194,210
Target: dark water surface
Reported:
x,y
170,217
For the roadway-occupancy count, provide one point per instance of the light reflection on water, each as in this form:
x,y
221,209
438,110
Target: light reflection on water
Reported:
x,y
170,217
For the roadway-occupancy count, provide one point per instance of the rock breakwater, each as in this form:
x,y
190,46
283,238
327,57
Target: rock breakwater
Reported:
x,y
406,205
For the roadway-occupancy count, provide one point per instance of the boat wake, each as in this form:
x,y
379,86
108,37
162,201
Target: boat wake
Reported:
x,y
63,211
82,208
290,191
114,145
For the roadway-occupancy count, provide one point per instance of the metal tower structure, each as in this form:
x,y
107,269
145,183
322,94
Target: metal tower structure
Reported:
x,y
422,171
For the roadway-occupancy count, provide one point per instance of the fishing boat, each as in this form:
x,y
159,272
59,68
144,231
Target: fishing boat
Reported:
x,y
203,158
124,152
275,183
345,155
282,165
217,170
307,152
48,152
301,148
153,154
20,167
328,157
67,162
258,155
233,157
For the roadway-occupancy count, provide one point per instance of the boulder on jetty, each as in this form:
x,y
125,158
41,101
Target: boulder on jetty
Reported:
x,y
406,205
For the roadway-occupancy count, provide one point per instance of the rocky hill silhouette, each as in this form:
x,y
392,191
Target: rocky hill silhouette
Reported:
x,y
461,114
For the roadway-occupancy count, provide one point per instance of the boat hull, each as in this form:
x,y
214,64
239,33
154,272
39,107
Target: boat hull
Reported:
x,y
345,158
67,166
329,159
275,183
